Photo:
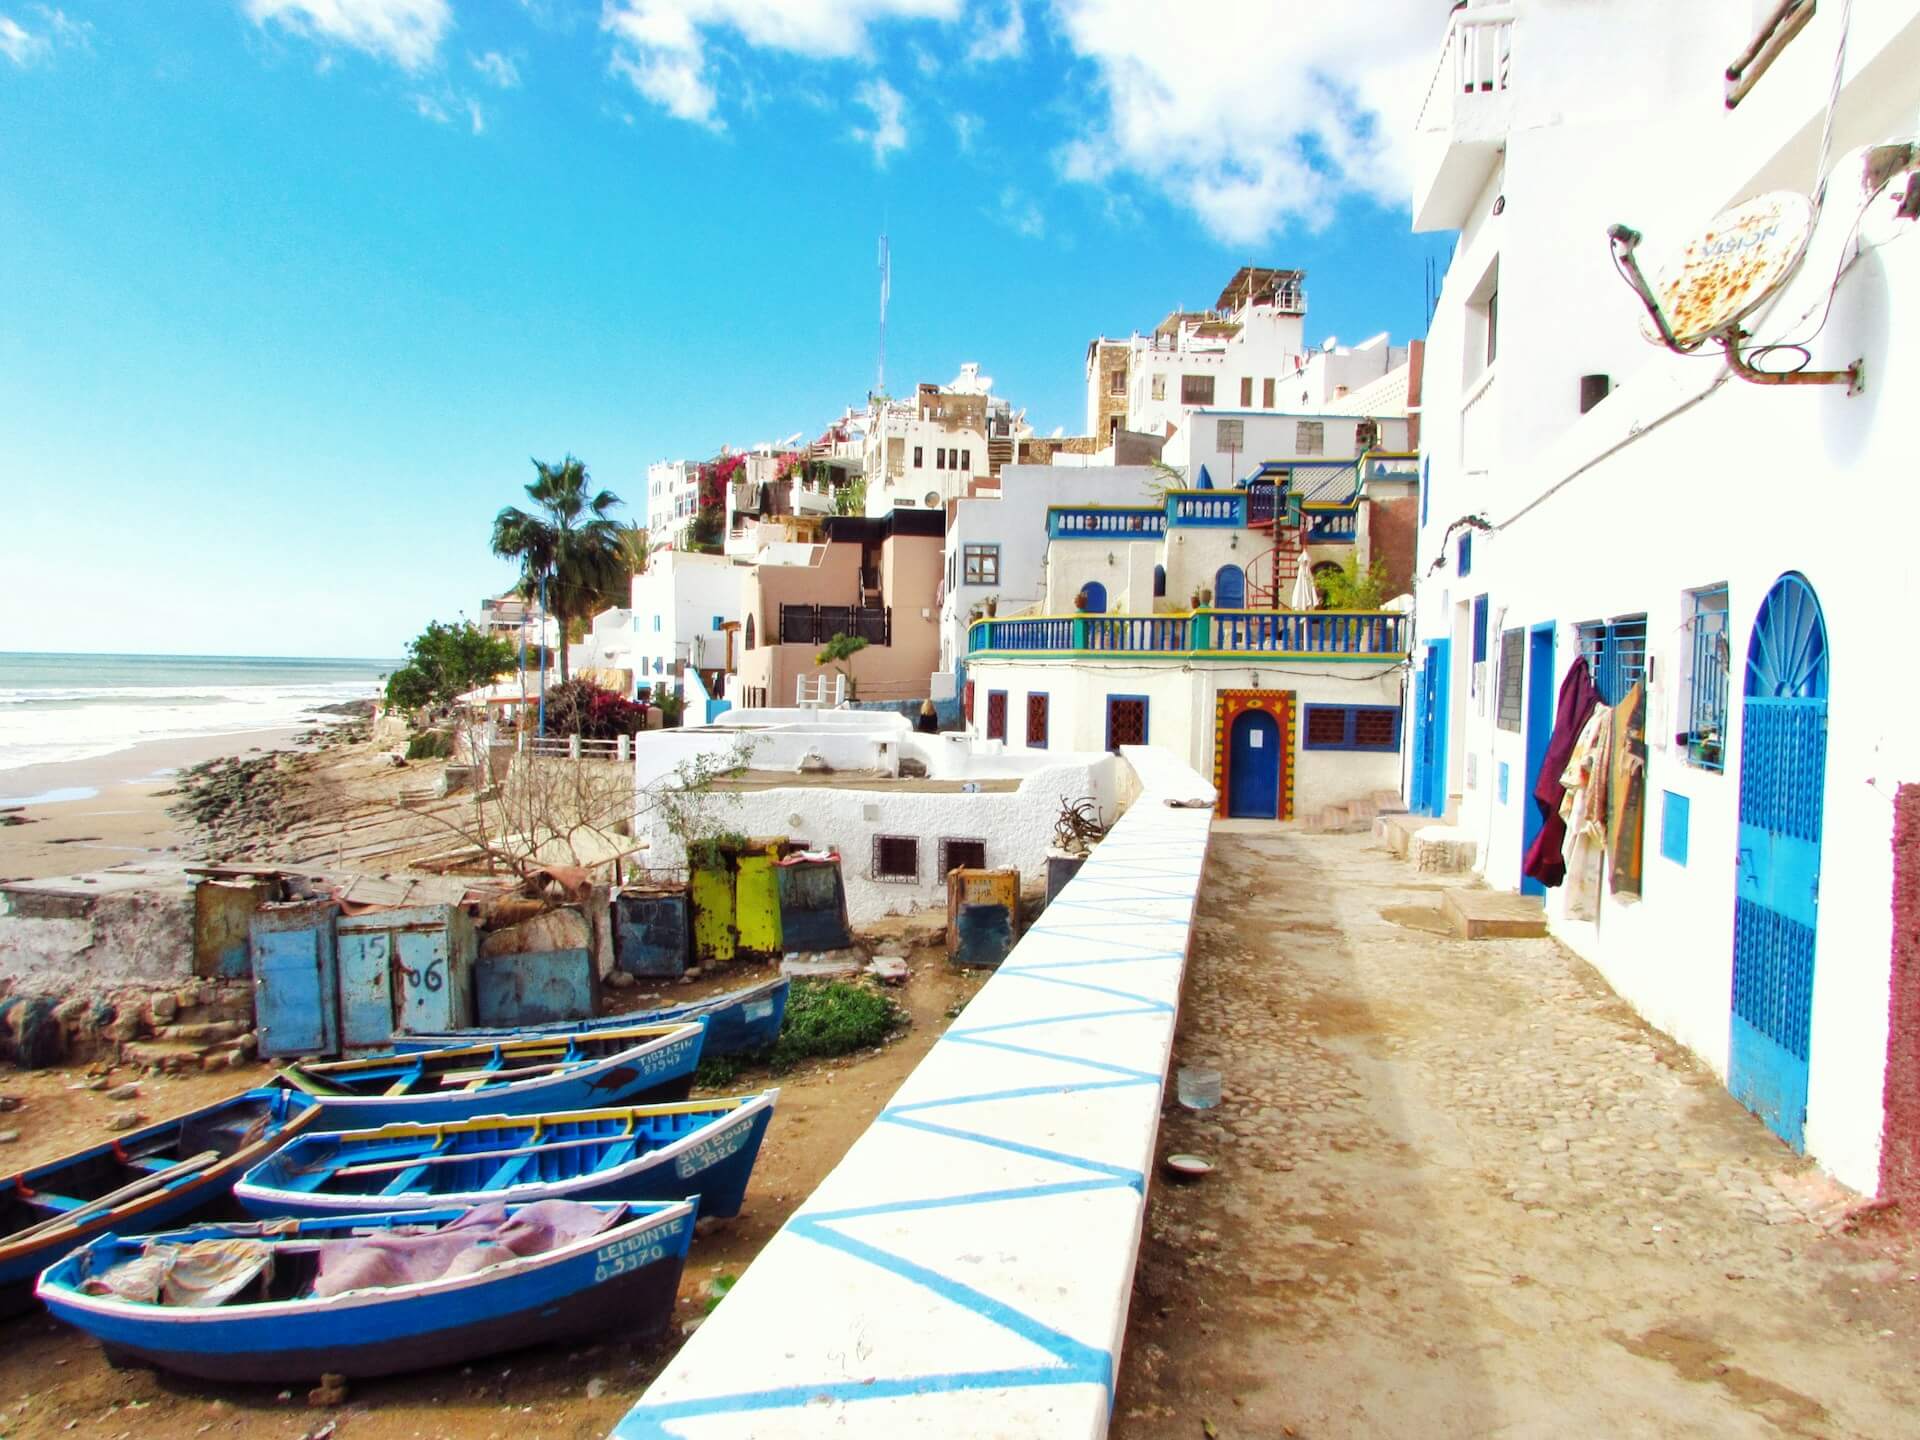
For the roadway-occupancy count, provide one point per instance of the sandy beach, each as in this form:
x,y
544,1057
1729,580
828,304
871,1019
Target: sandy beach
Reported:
x,y
125,815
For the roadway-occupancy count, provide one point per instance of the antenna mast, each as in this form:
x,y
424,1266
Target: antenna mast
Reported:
x,y
886,287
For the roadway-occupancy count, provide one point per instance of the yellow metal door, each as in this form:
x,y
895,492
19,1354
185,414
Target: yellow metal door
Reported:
x,y
714,934
756,902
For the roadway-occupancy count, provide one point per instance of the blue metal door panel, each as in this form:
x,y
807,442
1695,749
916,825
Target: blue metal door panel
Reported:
x,y
295,984
1540,709
537,988
1433,734
433,969
1783,754
366,989
1230,587
1417,787
1253,785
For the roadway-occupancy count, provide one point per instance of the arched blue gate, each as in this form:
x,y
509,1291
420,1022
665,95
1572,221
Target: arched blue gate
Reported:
x,y
1229,587
1783,770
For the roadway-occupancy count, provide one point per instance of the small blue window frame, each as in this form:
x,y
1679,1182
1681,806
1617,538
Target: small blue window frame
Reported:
x,y
1349,714
1479,628
1675,815
1146,718
1464,554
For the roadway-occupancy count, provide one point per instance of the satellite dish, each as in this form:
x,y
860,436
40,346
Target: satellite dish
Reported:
x,y
1732,267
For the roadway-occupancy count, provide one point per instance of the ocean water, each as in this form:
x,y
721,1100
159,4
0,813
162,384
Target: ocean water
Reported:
x,y
80,707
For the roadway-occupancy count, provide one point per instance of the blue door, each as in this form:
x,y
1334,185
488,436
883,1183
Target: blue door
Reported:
x,y
1539,732
1783,771
295,979
1433,730
1253,773
1230,587
1096,594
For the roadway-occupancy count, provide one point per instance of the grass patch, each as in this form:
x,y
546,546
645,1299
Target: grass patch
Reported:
x,y
430,745
717,1072
831,1017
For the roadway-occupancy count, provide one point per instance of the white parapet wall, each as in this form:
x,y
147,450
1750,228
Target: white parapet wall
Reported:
x,y
966,1269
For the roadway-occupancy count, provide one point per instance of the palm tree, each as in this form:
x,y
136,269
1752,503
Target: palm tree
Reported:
x,y
569,550
635,548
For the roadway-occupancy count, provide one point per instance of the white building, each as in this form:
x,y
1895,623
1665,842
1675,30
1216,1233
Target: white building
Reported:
x,y
1169,625
1676,531
672,496
979,806
518,621
1231,445
947,442
997,543
683,605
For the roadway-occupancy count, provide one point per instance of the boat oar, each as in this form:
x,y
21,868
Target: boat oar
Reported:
x,y
125,1193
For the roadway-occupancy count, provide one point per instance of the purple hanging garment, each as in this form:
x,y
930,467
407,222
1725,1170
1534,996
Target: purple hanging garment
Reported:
x,y
1577,699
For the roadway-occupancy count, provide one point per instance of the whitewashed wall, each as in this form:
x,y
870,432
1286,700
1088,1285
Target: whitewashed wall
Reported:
x,y
1683,478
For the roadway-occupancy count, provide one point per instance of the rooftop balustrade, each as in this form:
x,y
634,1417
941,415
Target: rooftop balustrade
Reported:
x,y
1105,522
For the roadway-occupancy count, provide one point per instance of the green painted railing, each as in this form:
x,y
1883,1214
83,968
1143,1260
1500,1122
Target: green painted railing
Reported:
x,y
1333,633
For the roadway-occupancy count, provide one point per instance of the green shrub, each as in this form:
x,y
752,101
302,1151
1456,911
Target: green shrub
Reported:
x,y
430,745
831,1017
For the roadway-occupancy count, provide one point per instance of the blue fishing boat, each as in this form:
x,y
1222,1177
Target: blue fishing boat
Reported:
x,y
738,1022
529,1075
288,1301
638,1152
144,1180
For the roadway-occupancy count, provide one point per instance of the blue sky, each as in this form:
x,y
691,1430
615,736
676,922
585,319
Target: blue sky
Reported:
x,y
296,287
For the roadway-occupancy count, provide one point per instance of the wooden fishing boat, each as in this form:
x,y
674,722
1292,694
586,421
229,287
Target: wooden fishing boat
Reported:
x,y
358,1295
532,1075
738,1022
144,1180
638,1152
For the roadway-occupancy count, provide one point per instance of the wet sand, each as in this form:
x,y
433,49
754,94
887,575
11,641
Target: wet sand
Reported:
x,y
88,814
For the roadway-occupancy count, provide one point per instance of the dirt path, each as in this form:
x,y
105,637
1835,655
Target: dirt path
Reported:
x,y
1464,1191
54,1383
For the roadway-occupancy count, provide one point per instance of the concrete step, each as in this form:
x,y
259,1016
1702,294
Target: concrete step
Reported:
x,y
1493,915
1388,802
1396,832
1442,849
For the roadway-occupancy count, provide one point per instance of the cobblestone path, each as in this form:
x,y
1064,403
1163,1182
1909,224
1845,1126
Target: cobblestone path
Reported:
x,y
1463,1190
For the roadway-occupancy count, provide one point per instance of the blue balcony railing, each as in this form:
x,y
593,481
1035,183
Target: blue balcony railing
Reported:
x,y
1328,634
1331,524
1105,522
1222,508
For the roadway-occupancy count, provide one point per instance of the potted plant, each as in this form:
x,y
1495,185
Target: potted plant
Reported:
x,y
992,604
1081,601
1204,598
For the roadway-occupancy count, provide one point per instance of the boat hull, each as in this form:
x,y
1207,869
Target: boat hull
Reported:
x,y
713,1163
195,1195
629,1275
739,1023
659,1071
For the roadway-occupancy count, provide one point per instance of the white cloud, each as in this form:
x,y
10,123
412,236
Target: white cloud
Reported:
x,y
966,129
1251,136
662,47
20,45
1005,41
924,60
1020,213
477,117
888,131
496,69
54,29
407,32
428,108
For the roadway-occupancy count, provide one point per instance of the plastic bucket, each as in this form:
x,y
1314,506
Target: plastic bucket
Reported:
x,y
1198,1087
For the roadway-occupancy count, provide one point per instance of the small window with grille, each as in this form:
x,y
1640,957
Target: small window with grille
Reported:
x,y
1196,389
962,855
1126,720
896,858
1351,727
996,715
1616,652
1037,720
1708,663
1309,437
1513,664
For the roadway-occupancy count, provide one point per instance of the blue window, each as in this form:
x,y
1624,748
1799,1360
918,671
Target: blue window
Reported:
x,y
1096,595
1616,652
1351,727
1706,712
1465,553
1426,486
1673,826
1479,628
1503,781
1230,587
1159,581
656,624
718,621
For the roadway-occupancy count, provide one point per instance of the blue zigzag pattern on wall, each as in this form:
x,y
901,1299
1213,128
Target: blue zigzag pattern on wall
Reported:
x,y
1076,1363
